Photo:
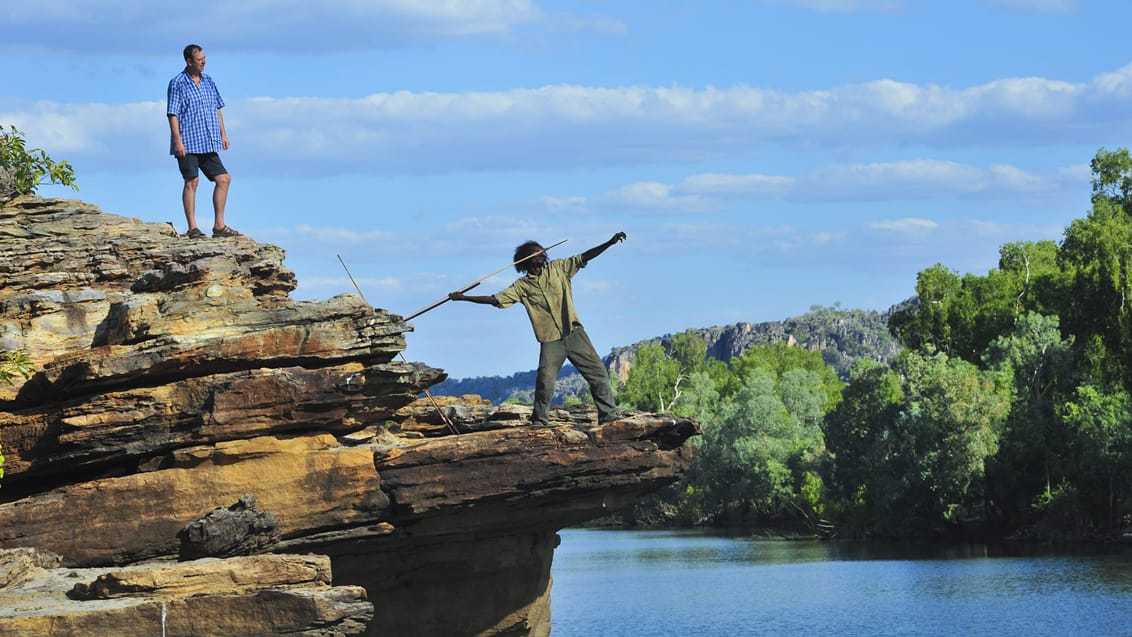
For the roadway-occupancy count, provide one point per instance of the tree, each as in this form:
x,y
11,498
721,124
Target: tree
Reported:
x,y
911,444
657,377
855,433
743,461
961,315
778,358
1098,308
762,444
948,425
654,381
700,397
23,170
1101,422
928,323
1034,445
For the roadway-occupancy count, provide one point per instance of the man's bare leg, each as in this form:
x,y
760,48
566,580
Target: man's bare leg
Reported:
x,y
189,200
220,198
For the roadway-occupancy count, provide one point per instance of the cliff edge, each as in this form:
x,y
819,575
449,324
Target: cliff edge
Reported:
x,y
196,453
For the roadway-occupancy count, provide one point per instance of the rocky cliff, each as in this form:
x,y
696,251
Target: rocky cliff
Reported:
x,y
842,337
198,454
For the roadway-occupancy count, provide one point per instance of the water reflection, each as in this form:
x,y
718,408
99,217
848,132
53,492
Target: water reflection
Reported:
x,y
692,583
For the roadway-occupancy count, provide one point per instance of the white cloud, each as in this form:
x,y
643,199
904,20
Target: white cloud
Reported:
x,y
899,180
724,184
283,26
918,179
562,126
1117,84
905,225
653,196
1062,7
844,6
337,236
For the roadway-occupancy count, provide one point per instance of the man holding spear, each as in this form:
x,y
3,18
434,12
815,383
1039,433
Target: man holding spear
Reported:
x,y
547,294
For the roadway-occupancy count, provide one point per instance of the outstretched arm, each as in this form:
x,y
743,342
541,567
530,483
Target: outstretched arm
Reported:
x,y
485,300
592,253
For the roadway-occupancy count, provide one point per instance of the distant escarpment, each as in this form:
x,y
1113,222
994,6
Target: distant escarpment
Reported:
x,y
842,337
198,454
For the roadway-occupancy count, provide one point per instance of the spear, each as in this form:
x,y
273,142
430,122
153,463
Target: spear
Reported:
x,y
473,284
447,421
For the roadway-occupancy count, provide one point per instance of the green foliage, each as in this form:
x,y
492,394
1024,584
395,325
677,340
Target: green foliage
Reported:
x,y
700,397
1098,308
1060,508
913,442
14,364
1032,448
654,381
658,378
1112,176
856,434
1101,423
949,425
763,442
961,315
26,169
1056,320
779,358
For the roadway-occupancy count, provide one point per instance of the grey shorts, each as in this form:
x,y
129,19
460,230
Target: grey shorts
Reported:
x,y
208,163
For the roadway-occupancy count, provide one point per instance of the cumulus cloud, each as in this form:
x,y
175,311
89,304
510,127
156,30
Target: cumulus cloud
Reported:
x,y
1061,7
283,26
563,126
919,179
905,226
916,179
725,184
844,6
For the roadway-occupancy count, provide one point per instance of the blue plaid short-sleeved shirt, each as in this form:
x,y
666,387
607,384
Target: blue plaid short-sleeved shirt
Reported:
x,y
196,107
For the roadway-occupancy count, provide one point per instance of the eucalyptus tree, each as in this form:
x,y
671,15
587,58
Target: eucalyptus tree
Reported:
x,y
1034,448
1101,424
1098,249
855,434
654,380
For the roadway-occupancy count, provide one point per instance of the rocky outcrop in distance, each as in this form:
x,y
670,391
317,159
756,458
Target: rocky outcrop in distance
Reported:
x,y
199,454
842,337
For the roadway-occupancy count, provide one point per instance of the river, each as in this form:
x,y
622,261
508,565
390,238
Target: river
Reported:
x,y
696,584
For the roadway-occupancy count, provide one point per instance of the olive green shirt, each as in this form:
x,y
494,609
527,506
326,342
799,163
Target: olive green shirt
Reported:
x,y
548,297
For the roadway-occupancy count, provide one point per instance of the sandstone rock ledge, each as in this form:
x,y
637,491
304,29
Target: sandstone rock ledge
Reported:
x,y
176,377
256,595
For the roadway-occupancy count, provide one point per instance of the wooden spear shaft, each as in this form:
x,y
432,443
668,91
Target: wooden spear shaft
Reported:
x,y
473,284
447,421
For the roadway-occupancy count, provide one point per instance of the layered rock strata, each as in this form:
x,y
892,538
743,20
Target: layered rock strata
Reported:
x,y
176,376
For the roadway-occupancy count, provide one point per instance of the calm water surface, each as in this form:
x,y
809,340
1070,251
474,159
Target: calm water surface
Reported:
x,y
669,583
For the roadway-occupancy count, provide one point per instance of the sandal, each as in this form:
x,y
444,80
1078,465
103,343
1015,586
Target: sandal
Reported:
x,y
226,231
194,233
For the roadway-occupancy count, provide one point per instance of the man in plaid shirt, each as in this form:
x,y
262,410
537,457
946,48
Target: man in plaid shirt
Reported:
x,y
196,128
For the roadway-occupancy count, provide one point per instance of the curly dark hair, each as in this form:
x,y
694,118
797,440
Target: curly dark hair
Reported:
x,y
523,252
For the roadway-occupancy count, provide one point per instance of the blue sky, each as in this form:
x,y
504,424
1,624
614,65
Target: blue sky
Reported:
x,y
764,156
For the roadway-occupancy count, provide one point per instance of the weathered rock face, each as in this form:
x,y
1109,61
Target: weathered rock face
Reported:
x,y
176,376
235,597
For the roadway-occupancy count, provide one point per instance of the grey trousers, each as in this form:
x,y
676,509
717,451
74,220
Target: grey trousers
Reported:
x,y
577,347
